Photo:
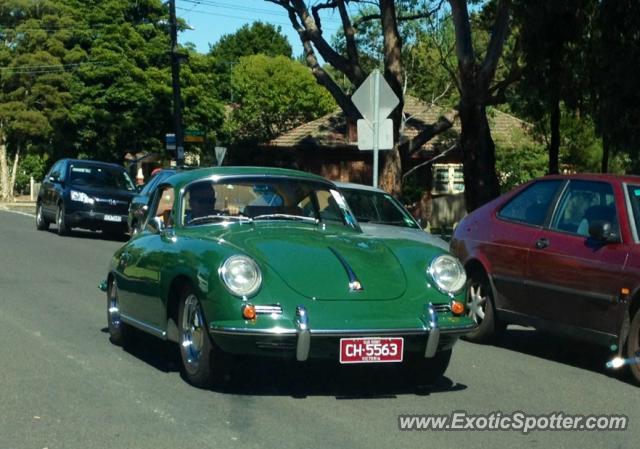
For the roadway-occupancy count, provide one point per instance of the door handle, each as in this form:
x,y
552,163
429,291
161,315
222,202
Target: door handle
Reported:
x,y
542,243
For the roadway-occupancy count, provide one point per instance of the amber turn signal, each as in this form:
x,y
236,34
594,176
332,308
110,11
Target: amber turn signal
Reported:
x,y
457,308
249,312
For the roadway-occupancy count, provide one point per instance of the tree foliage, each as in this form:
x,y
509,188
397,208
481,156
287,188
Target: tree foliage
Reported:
x,y
273,95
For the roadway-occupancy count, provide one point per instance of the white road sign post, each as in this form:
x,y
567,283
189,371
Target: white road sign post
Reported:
x,y
375,100
220,154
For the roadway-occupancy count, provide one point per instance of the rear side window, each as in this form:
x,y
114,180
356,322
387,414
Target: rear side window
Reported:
x,y
531,205
582,204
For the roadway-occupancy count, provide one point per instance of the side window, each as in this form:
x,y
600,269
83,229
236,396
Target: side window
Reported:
x,y
55,171
328,207
582,203
531,205
164,205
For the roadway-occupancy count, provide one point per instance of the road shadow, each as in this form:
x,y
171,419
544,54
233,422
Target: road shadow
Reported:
x,y
275,376
561,349
92,235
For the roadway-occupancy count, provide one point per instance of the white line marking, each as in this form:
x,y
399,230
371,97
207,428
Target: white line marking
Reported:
x,y
6,209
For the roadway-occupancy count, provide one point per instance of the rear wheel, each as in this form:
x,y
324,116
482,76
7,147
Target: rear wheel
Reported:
x,y
61,220
42,224
203,363
119,332
633,346
427,371
481,308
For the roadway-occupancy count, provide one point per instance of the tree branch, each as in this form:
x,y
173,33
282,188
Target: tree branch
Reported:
x,y
430,161
429,132
496,44
464,45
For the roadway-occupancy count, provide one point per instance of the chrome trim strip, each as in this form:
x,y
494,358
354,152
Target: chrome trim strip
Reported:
x,y
354,283
434,332
304,338
274,332
269,309
143,326
366,332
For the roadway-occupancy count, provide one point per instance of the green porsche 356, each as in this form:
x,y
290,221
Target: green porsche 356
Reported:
x,y
240,260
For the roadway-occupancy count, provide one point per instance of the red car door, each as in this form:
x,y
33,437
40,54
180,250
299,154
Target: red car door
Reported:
x,y
572,278
515,228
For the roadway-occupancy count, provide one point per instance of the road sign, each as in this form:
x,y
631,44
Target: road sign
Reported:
x,y
220,154
365,135
364,98
193,139
193,132
170,141
375,100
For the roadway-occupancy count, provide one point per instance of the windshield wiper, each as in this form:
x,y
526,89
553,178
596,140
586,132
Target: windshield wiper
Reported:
x,y
285,217
213,218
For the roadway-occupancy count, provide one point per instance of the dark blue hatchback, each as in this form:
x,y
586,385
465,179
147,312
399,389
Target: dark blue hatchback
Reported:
x,y
85,194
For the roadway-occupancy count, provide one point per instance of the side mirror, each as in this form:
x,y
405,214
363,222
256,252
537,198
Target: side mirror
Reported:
x,y
601,230
156,225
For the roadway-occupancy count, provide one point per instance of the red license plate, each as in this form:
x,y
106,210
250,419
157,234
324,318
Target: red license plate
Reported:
x,y
371,350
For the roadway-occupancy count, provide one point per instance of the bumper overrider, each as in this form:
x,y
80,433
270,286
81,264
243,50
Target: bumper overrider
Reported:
x,y
436,332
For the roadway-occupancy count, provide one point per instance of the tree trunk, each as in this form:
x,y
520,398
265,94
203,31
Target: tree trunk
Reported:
x,y
478,149
554,144
12,182
605,153
4,169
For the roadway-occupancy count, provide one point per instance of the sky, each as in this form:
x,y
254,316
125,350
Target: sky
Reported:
x,y
211,19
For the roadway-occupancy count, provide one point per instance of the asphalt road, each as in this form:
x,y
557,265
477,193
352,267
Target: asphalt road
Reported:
x,y
63,385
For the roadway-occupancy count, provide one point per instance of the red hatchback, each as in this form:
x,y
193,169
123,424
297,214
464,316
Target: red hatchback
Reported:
x,y
561,253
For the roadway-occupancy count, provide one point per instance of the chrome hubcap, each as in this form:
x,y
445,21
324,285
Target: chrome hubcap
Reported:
x,y
59,221
113,307
39,215
477,302
193,333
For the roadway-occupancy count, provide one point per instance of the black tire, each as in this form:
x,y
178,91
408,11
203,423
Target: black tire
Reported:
x,y
203,364
61,220
481,307
119,332
633,346
427,371
42,224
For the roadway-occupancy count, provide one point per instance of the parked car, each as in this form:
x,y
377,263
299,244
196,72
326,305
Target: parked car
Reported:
x,y
560,253
140,203
264,261
86,194
380,214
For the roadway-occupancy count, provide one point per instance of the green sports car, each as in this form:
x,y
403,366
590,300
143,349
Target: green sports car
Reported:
x,y
263,261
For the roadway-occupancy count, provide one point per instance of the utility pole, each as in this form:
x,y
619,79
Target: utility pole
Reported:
x,y
175,80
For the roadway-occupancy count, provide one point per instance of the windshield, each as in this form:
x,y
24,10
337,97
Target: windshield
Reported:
x,y
378,207
85,175
268,199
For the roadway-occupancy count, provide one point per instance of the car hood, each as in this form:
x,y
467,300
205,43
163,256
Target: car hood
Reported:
x,y
105,193
319,263
399,232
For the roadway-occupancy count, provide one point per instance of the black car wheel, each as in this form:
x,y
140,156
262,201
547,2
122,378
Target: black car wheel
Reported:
x,y
204,364
61,220
118,331
42,224
633,346
481,308
427,371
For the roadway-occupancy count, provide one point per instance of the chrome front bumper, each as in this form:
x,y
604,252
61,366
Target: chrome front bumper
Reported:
x,y
303,332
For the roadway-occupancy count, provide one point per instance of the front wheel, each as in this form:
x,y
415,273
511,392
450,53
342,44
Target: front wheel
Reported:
x,y
633,346
61,220
427,371
203,363
118,331
42,224
481,308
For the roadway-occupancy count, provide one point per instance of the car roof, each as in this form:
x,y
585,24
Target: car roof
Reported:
x,y
354,186
182,178
93,162
596,177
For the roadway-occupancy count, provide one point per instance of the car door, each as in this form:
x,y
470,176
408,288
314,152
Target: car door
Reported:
x,y
513,230
142,263
574,279
48,189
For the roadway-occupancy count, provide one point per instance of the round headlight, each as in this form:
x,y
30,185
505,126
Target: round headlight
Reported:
x,y
448,273
241,275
